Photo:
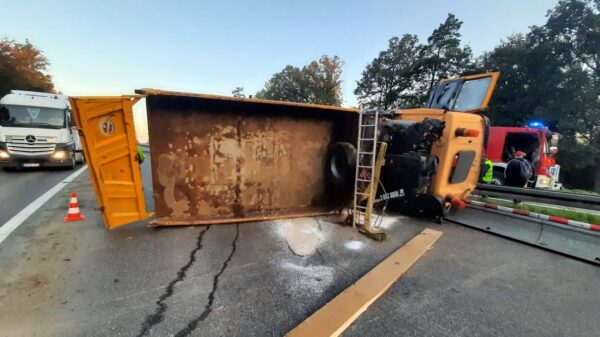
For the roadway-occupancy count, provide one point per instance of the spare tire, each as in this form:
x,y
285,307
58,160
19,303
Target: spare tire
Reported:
x,y
340,165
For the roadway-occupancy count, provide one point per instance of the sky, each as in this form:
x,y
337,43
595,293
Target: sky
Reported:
x,y
114,47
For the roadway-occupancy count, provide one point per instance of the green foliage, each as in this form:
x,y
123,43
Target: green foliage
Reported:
x,y
318,82
238,92
23,67
404,74
586,192
527,86
443,56
574,29
553,73
387,82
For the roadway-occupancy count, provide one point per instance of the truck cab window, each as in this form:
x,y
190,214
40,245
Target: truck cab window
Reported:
x,y
29,116
526,142
472,94
460,95
443,95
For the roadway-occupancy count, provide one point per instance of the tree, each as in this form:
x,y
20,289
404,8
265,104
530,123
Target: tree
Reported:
x,y
404,74
573,29
510,103
23,67
551,73
387,81
443,55
527,88
238,92
318,82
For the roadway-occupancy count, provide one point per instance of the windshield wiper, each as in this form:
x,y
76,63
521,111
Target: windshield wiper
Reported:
x,y
31,125
9,123
54,126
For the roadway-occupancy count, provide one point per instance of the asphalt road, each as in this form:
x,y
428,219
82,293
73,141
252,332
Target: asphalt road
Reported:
x,y
79,279
18,189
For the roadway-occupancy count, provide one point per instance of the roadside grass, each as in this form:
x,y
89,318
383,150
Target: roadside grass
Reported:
x,y
580,191
563,213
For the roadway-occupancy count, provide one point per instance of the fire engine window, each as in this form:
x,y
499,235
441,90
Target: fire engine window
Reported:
x,y
526,142
472,94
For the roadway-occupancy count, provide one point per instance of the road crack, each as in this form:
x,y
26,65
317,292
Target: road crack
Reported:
x,y
159,314
193,324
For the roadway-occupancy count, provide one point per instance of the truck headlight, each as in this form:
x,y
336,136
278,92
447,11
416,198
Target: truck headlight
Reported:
x,y
4,154
59,155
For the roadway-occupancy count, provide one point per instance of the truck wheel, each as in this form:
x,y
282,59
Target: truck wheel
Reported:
x,y
498,178
73,161
340,164
80,159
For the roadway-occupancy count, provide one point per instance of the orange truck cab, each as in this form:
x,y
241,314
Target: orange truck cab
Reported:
x,y
449,168
540,146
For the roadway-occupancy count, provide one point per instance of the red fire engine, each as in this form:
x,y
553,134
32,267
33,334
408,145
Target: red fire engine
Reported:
x,y
540,145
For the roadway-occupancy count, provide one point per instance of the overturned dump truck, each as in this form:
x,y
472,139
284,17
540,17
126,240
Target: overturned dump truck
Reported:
x,y
219,159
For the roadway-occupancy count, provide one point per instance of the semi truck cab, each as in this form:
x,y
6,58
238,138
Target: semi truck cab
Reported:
x,y
37,130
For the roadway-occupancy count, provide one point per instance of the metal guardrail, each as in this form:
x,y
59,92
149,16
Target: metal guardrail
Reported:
x,y
548,197
580,243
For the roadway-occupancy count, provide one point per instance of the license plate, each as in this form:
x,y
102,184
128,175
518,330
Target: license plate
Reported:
x,y
31,164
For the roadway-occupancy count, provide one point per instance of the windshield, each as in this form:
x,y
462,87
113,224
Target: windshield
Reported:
x,y
460,95
31,117
472,94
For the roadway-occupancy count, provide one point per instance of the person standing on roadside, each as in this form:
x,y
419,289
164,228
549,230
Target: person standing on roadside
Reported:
x,y
518,171
488,171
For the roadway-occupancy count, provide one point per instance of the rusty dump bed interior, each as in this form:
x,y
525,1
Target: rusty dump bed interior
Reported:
x,y
221,159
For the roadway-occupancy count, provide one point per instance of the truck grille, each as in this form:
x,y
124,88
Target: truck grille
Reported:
x,y
18,145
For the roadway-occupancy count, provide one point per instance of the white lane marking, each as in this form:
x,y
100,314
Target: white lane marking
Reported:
x,y
26,212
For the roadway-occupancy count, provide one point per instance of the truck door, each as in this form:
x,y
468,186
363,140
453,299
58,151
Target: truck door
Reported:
x,y
109,144
464,94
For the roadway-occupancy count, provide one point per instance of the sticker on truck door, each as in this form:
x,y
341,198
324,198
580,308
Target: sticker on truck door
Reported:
x,y
107,127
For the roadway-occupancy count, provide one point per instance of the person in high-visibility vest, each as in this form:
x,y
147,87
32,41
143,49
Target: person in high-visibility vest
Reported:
x,y
489,171
140,154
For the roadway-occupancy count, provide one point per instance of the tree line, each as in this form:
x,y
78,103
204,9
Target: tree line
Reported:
x,y
22,66
550,73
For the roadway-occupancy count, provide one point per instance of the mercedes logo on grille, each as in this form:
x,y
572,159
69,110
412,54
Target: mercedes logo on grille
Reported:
x,y
30,139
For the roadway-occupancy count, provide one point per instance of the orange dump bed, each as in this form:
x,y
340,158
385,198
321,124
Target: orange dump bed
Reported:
x,y
221,159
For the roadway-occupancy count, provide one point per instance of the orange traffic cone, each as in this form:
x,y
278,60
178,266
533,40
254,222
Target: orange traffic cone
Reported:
x,y
73,214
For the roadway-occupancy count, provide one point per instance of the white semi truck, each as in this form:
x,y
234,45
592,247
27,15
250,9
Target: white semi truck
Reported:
x,y
37,130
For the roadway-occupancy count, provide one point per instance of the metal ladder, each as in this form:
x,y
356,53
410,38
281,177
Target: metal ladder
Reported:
x,y
365,185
